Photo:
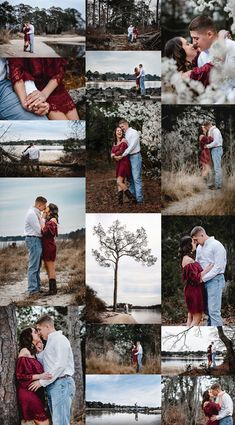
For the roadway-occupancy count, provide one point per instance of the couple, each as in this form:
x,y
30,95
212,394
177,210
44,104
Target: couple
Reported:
x,y
217,406
28,30
137,355
126,153
140,79
211,355
211,149
132,33
41,228
203,276
31,156
196,60
45,361
35,90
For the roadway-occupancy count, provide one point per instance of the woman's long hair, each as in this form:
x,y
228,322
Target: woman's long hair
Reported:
x,y
205,397
185,247
54,212
26,341
115,136
174,50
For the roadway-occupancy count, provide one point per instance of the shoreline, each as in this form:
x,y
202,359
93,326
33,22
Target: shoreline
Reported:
x,y
117,318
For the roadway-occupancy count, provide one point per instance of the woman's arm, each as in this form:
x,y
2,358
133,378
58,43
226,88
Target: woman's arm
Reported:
x,y
37,97
207,269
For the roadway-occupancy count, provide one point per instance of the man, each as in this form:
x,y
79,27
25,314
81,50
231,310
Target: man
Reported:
x,y
133,151
130,33
57,359
31,36
216,147
142,80
139,355
213,353
34,155
211,251
10,106
225,416
33,242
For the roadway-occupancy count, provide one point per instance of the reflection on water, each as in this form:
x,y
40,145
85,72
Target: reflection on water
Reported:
x,y
67,50
181,363
47,152
120,84
112,418
5,244
146,316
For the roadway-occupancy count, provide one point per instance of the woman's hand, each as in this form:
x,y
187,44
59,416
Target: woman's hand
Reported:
x,y
35,99
42,109
45,375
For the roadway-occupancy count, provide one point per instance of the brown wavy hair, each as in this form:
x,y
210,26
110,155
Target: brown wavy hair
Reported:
x,y
26,341
174,50
54,212
185,247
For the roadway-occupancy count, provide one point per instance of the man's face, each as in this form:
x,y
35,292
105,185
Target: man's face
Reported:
x,y
202,40
124,126
215,392
43,330
199,238
41,207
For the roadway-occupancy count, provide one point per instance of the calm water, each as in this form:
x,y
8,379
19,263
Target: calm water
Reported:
x,y
67,50
181,363
146,316
112,418
47,152
120,84
4,244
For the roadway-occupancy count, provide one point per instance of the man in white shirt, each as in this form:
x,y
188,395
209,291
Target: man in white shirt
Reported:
x,y
213,353
133,140
130,33
211,251
31,36
33,240
139,355
225,416
216,148
57,359
142,80
34,154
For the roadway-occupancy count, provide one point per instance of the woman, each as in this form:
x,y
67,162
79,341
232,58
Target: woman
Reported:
x,y
209,407
48,75
135,34
134,352
192,274
205,155
123,166
29,369
209,356
137,79
49,226
26,30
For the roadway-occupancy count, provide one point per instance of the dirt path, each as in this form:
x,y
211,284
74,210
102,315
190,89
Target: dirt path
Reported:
x,y
120,42
187,206
114,318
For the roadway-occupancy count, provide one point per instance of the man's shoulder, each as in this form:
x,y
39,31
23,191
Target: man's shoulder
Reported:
x,y
216,243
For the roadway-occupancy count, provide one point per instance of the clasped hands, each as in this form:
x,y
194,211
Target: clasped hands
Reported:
x,y
36,102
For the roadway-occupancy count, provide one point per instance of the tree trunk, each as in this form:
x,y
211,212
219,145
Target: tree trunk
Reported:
x,y
230,350
157,13
94,7
8,354
115,286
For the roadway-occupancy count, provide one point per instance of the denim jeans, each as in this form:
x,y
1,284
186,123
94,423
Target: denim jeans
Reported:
x,y
226,421
31,38
139,362
60,396
216,154
213,291
213,359
34,246
136,178
142,87
10,106
129,38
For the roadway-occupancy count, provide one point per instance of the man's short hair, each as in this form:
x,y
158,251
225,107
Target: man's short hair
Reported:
x,y
45,319
123,121
216,386
141,65
196,230
207,123
41,199
202,23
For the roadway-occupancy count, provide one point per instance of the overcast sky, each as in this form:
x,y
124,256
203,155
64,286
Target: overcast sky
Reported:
x,y
18,194
123,62
138,284
145,390
73,4
197,338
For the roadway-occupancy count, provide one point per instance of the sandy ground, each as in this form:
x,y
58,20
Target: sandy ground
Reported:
x,y
15,48
110,318
185,206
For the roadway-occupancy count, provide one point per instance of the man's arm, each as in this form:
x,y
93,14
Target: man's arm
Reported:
x,y
33,221
133,141
219,263
216,139
60,362
228,408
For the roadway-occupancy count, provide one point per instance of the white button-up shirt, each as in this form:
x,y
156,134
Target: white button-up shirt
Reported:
x,y
212,251
57,357
31,29
32,223
217,137
3,69
133,140
33,152
226,407
140,350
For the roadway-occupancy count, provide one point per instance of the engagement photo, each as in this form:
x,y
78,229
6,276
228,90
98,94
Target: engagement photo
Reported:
x,y
42,360
198,156
198,65
45,30
123,25
42,244
124,157
198,271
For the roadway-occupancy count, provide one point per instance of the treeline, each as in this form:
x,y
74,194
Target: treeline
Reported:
x,y
53,20
77,234
114,76
100,405
187,353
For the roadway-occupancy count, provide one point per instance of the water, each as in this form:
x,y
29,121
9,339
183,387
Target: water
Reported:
x,y
67,50
120,84
5,244
146,316
112,418
47,153
179,364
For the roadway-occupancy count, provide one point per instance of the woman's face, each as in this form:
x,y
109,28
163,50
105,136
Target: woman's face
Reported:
x,y
35,336
118,132
189,49
194,245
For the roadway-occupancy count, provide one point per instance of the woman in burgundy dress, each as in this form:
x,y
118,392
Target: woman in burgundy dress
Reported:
x,y
123,166
26,37
209,356
205,155
49,232
134,352
137,79
192,274
210,408
29,369
48,75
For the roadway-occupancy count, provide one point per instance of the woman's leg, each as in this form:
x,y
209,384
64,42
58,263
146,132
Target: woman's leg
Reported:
x,y
50,267
197,317
189,319
121,184
46,422
72,115
57,115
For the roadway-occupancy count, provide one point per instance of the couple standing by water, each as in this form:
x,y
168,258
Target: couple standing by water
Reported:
x,y
136,356
45,361
211,151
41,228
211,355
139,73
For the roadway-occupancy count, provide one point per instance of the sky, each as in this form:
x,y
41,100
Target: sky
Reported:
x,y
145,390
138,284
73,4
197,338
123,62
19,194
27,130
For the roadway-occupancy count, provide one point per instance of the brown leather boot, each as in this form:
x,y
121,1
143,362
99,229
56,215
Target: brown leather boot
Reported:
x,y
52,287
130,196
120,197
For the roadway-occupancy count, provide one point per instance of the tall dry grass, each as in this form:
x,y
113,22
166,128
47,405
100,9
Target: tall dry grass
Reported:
x,y
103,365
5,36
180,185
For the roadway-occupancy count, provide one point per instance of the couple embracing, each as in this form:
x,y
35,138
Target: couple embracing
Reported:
x,y
41,228
45,361
217,405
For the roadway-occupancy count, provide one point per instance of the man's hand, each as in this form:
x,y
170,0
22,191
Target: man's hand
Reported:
x,y
118,157
42,109
213,418
34,386
35,99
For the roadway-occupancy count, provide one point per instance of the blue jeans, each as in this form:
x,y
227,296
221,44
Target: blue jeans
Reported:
x,y
10,106
31,40
34,246
216,154
129,38
60,396
226,421
136,178
139,362
213,359
213,291
142,87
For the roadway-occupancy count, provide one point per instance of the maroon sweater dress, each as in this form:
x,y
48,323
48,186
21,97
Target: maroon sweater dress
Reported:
x,y
202,74
31,402
193,290
123,166
205,155
49,233
211,409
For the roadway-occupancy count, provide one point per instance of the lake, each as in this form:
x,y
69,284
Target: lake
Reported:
x,y
67,50
178,365
117,418
5,244
47,152
120,84
146,315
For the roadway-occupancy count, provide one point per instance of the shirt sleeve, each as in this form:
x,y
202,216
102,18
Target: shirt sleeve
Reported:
x,y
34,222
29,86
227,408
133,141
216,139
60,362
219,262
